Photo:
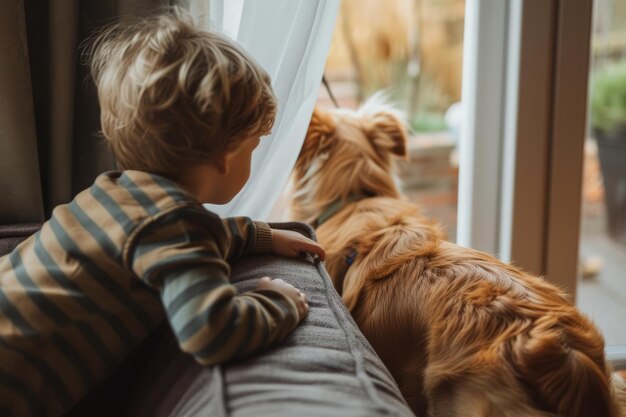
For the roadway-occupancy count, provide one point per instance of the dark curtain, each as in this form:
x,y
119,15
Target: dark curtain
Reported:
x,y
50,147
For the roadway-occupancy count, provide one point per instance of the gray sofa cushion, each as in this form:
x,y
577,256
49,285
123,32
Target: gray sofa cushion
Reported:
x,y
12,235
324,368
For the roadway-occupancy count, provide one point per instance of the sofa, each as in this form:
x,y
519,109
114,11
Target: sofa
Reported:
x,y
324,368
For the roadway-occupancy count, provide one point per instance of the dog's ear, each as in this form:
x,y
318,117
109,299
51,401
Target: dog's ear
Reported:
x,y
321,126
318,136
387,133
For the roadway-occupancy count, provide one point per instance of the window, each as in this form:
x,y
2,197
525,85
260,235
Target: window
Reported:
x,y
602,287
413,50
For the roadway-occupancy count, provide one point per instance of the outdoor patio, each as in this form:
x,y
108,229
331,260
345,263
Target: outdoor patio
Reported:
x,y
603,297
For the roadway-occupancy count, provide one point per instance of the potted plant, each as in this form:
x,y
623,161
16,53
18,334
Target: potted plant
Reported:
x,y
608,121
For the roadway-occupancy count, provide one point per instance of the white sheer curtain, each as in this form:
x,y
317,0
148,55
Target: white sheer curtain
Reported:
x,y
290,39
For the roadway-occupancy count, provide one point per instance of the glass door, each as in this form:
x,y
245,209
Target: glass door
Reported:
x,y
413,51
602,281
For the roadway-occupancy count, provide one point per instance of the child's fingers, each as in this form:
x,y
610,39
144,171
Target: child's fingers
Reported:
x,y
303,309
264,282
314,248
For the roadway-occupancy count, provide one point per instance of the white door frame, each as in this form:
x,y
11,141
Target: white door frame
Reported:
x,y
521,153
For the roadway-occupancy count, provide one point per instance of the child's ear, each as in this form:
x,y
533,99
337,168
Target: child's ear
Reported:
x,y
222,162
387,133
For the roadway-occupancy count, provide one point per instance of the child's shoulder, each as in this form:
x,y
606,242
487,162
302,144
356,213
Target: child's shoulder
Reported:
x,y
137,194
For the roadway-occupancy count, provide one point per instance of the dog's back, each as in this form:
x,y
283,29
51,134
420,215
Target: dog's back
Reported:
x,y
516,339
458,329
496,339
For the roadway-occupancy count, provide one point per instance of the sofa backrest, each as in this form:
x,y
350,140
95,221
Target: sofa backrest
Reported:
x,y
12,235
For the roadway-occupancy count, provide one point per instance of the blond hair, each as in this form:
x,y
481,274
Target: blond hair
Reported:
x,y
172,94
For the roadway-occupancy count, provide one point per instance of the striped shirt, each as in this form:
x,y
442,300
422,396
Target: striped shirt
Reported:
x,y
134,248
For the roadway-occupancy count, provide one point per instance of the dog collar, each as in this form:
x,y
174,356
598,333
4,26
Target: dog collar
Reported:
x,y
337,205
349,259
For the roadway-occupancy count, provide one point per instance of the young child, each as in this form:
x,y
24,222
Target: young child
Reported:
x,y
182,110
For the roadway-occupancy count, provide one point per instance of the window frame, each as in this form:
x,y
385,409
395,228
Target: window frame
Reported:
x,y
521,153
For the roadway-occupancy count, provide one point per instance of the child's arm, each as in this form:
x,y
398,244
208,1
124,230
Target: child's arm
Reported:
x,y
249,236
211,321
246,237
214,324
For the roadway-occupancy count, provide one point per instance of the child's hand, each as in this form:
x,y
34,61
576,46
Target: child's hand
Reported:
x,y
292,244
297,296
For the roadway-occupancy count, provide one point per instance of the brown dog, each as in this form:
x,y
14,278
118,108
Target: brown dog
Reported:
x,y
463,333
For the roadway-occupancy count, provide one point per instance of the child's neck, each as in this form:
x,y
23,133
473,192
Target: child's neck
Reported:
x,y
202,181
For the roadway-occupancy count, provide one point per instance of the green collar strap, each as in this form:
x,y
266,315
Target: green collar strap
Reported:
x,y
335,207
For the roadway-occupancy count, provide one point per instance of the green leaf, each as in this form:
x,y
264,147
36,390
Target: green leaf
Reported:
x,y
608,98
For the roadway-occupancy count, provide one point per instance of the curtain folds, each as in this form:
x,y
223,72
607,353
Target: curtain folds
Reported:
x,y
290,39
50,148
21,198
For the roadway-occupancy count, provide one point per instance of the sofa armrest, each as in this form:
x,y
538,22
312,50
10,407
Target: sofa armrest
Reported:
x,y
12,235
324,368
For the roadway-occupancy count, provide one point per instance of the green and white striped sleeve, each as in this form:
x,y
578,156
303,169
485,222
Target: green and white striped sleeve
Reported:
x,y
246,236
210,319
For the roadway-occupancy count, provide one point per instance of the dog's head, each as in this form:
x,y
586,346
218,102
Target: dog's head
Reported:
x,y
347,154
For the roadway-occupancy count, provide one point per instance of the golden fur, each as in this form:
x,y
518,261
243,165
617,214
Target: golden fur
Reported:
x,y
463,333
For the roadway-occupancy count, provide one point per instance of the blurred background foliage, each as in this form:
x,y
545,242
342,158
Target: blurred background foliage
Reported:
x,y
411,48
414,49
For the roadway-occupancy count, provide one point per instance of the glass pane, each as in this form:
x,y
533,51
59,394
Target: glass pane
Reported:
x,y
602,286
413,50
